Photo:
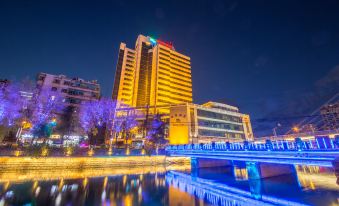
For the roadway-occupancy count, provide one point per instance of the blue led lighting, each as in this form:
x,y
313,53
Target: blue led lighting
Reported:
x,y
221,194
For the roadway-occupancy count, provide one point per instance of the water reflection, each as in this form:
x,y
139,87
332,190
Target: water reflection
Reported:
x,y
308,185
126,190
174,185
116,186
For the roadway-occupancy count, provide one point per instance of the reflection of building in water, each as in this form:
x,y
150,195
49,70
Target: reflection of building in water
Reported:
x,y
177,197
315,177
220,193
114,190
240,173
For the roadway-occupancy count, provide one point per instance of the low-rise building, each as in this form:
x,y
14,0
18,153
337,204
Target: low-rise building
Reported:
x,y
330,116
74,90
210,122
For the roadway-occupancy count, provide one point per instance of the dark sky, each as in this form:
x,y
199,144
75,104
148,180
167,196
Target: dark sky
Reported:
x,y
271,58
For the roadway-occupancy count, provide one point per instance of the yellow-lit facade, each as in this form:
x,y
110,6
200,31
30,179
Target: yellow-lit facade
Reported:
x,y
172,82
210,122
124,76
153,78
246,121
161,76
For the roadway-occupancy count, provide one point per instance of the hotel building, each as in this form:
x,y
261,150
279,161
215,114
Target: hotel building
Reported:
x,y
210,122
152,74
153,78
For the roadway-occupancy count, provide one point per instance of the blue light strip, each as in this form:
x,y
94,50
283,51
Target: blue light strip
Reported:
x,y
290,152
291,158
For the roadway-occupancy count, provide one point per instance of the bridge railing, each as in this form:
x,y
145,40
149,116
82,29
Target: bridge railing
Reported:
x,y
320,143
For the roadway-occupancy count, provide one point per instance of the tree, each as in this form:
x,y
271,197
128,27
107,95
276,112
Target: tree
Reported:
x,y
11,105
44,108
156,133
22,102
96,116
126,125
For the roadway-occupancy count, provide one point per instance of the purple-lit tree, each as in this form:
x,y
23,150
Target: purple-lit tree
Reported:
x,y
45,105
156,133
43,110
126,125
24,102
97,115
11,105
9,111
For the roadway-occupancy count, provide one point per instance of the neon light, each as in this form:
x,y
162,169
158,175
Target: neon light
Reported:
x,y
166,44
324,143
317,143
153,41
332,143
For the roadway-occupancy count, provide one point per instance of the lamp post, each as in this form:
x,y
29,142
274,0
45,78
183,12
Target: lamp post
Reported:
x,y
275,129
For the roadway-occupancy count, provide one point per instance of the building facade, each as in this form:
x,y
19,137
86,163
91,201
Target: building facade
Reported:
x,y
192,123
73,90
152,74
330,116
124,75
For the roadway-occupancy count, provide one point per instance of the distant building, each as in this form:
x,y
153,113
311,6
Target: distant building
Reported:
x,y
192,123
330,116
74,90
152,74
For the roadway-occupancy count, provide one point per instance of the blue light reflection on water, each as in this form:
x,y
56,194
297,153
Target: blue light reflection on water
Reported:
x,y
209,186
309,186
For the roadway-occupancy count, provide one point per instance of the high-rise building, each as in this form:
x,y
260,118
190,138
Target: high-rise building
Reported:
x,y
124,75
152,74
212,121
154,78
73,90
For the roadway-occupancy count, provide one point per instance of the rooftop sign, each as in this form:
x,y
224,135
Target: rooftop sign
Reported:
x,y
158,41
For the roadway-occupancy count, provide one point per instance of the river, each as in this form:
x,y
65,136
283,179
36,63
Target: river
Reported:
x,y
173,185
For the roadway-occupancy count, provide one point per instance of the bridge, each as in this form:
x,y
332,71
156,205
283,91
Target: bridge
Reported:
x,y
221,194
262,159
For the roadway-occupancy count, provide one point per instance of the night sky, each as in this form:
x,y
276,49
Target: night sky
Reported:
x,y
274,59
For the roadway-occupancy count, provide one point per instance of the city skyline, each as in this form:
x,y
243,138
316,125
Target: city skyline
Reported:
x,y
254,56
193,102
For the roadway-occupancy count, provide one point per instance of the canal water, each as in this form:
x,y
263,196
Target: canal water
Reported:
x,y
175,186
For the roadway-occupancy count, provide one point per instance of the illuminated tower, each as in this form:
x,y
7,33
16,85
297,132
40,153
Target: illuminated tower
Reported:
x,y
161,75
143,71
171,80
124,76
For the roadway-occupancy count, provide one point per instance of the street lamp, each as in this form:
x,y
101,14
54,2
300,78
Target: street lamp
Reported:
x,y
275,129
295,129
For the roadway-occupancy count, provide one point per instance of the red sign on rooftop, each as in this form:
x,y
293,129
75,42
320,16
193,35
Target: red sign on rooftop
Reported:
x,y
166,44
